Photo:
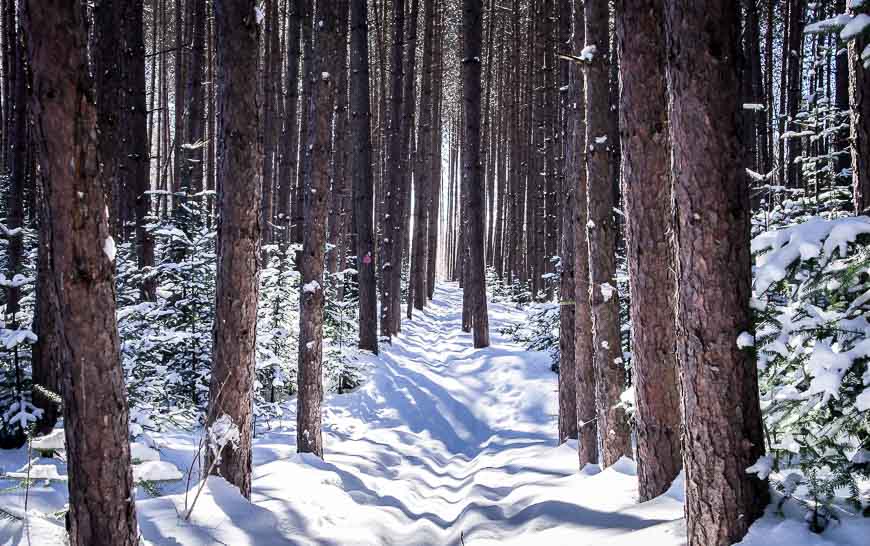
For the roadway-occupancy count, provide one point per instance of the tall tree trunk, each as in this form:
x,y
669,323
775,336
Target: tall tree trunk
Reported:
x,y
361,173
290,137
392,222
722,432
435,159
584,350
471,169
567,373
270,79
119,58
423,165
646,178
328,40
239,186
101,490
613,428
403,192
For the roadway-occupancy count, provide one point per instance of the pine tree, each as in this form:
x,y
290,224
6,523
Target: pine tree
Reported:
x,y
721,416
646,179
237,37
101,492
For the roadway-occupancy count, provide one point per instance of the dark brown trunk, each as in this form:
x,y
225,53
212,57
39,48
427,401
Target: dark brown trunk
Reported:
x,y
391,221
101,490
328,40
239,185
290,137
722,431
361,174
471,169
423,179
584,370
646,178
859,102
567,372
601,229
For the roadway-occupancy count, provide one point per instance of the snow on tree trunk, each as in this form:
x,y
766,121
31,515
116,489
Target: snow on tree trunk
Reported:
x,y
239,187
613,430
328,39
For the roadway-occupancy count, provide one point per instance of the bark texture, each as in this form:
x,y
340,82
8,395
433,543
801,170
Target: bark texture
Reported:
x,y
471,170
361,172
859,102
239,186
722,433
95,409
601,229
646,178
328,40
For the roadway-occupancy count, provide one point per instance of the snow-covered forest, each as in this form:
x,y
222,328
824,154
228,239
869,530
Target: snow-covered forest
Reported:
x,y
434,272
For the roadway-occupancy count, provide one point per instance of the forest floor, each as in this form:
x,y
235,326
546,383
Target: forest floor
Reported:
x,y
443,445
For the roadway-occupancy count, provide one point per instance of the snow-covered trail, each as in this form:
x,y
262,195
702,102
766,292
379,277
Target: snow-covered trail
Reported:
x,y
444,443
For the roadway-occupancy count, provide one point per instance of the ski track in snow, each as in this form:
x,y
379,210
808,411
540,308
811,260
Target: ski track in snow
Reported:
x,y
444,443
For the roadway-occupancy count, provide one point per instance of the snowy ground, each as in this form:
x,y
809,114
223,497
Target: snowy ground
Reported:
x,y
444,445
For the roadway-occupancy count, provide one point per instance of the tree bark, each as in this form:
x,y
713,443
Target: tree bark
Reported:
x,y
328,40
361,172
290,137
239,182
646,178
471,169
722,431
613,428
567,373
391,222
101,490
119,59
423,163
859,102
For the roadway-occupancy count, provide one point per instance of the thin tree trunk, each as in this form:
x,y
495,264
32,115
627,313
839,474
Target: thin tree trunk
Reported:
x,y
471,169
323,88
391,222
239,187
423,180
361,173
613,428
567,373
101,489
859,101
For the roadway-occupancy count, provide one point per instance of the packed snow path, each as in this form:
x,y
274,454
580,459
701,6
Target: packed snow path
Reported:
x,y
444,445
